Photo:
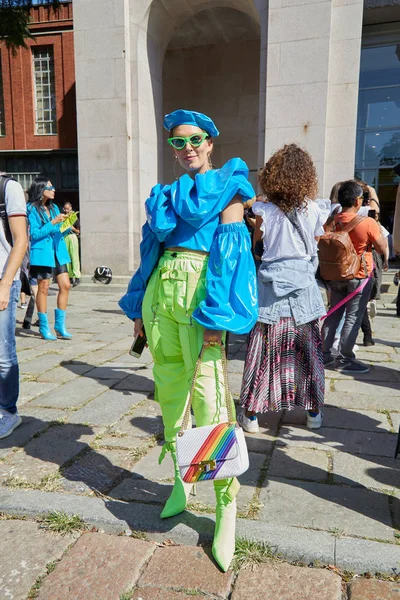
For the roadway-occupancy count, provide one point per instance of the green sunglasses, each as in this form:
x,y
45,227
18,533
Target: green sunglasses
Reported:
x,y
194,140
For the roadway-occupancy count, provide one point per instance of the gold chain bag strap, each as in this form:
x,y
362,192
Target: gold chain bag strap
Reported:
x,y
213,451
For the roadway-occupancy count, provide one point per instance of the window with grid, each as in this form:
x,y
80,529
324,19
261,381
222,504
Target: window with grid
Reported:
x,y
2,117
45,95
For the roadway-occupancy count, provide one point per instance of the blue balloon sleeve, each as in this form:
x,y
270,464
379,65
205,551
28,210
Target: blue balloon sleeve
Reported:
x,y
231,300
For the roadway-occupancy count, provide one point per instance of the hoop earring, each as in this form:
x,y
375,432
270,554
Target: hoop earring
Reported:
x,y
177,175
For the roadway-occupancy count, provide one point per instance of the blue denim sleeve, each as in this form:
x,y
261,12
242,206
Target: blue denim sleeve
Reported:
x,y
161,216
231,299
150,251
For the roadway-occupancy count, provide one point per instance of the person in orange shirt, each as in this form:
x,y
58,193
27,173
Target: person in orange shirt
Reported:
x,y
364,235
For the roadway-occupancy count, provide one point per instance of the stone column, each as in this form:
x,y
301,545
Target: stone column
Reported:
x,y
312,82
104,114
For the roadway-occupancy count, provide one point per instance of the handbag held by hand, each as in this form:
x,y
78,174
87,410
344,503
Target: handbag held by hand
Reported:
x,y
213,451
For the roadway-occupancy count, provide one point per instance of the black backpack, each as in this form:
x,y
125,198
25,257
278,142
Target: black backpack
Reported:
x,y
25,287
4,179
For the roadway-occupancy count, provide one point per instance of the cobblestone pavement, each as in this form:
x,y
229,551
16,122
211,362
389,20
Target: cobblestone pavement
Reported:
x,y
89,445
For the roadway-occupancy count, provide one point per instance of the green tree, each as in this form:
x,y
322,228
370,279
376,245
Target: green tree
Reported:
x,y
14,21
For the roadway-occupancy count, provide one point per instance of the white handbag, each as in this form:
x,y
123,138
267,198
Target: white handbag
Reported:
x,y
213,451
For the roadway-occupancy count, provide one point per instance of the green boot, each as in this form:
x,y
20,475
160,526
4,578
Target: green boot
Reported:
x,y
177,501
223,547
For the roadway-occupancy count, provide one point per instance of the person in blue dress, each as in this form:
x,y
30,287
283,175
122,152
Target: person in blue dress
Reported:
x,y
48,255
196,280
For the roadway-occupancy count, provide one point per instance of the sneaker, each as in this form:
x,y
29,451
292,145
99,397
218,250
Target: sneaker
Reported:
x,y
368,341
372,309
329,361
249,424
356,348
353,367
8,423
314,422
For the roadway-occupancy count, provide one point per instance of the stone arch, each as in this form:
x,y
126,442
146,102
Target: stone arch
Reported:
x,y
156,24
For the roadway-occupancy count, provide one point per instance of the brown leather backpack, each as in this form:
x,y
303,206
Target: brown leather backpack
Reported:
x,y
338,260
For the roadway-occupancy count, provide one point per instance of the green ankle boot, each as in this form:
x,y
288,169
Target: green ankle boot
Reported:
x,y
223,547
178,499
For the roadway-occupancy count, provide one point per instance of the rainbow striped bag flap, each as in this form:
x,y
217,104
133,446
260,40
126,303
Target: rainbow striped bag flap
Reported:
x,y
213,451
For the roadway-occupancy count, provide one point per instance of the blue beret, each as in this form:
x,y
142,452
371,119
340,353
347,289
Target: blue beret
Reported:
x,y
190,117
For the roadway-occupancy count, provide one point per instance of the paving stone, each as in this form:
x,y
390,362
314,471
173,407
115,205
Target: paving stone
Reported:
x,y
41,364
25,551
112,371
74,393
299,463
160,594
107,408
248,482
362,420
31,425
32,389
262,442
286,582
372,472
235,366
94,359
395,417
373,356
145,421
142,381
98,470
381,387
359,442
373,589
361,556
58,375
45,454
302,504
357,401
149,482
189,567
235,383
98,566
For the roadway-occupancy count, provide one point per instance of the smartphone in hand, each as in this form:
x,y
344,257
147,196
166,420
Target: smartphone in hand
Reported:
x,y
139,344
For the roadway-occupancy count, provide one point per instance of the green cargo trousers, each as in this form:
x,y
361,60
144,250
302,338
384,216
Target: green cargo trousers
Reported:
x,y
175,289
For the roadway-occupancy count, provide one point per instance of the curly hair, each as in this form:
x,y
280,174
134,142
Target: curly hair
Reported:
x,y
289,178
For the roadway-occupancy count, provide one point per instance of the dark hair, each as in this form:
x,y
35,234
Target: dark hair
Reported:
x,y
289,178
348,193
35,195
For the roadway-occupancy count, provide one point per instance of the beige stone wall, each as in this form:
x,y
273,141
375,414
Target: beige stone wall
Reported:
x,y
312,81
222,81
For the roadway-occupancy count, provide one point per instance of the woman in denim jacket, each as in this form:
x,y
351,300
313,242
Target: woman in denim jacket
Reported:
x,y
284,364
48,255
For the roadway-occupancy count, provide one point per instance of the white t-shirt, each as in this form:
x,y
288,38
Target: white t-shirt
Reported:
x,y
15,207
281,240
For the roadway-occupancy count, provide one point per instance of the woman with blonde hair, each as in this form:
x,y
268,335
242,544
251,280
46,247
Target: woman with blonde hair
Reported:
x,y
284,364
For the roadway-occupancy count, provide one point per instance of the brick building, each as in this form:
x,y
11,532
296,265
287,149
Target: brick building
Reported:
x,y
38,105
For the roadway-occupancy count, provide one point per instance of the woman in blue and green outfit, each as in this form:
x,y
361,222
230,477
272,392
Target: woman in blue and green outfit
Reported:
x,y
196,281
48,255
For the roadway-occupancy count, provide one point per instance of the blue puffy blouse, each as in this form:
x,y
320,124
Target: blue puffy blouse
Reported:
x,y
187,214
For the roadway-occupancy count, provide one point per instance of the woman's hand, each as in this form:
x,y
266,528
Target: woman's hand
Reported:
x,y
212,336
58,219
137,328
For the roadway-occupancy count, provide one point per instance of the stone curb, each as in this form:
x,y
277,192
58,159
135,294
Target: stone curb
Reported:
x,y
293,543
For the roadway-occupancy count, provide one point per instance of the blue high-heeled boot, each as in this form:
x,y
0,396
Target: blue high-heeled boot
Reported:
x,y
59,324
44,327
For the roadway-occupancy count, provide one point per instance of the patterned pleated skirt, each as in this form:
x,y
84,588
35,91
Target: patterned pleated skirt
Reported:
x,y
284,367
